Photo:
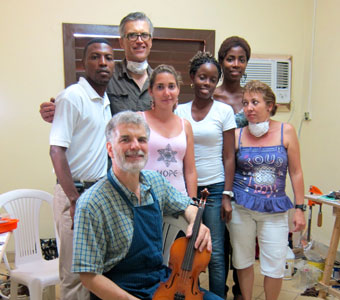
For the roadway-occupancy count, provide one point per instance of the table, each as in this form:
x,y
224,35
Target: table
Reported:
x,y
325,282
4,239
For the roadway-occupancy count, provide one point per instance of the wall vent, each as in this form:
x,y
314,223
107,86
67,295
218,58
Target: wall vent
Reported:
x,y
274,72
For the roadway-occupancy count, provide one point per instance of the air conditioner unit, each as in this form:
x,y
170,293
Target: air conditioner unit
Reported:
x,y
274,72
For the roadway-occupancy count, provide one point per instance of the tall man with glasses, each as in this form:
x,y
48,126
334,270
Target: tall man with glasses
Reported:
x,y
128,88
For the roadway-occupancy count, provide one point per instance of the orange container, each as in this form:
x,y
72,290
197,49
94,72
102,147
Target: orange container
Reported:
x,y
7,224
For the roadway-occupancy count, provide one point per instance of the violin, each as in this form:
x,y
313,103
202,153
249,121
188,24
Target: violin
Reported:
x,y
186,263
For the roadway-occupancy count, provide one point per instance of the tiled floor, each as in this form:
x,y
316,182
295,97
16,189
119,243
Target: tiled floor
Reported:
x,y
289,290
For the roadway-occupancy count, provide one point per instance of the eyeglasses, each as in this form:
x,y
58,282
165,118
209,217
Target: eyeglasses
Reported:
x,y
133,36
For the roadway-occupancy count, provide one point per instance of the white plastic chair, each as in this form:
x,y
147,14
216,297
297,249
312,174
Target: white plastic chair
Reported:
x,y
171,227
31,269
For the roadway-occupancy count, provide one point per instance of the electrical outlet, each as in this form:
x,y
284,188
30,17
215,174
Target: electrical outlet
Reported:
x,y
307,116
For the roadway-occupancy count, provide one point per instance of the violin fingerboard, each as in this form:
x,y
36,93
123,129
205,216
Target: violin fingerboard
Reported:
x,y
190,251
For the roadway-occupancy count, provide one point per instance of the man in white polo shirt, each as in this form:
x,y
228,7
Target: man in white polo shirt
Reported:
x,y
77,150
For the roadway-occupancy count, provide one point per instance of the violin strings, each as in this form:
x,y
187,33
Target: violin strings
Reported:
x,y
184,280
190,251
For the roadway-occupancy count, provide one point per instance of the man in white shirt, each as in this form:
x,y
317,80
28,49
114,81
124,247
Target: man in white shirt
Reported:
x,y
77,150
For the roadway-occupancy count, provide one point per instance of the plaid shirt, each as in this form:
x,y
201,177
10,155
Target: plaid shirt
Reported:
x,y
104,222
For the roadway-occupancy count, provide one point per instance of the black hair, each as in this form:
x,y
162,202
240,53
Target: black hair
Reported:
x,y
95,41
231,42
202,58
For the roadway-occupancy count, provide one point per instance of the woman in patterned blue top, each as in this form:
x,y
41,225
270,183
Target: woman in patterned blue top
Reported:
x,y
265,150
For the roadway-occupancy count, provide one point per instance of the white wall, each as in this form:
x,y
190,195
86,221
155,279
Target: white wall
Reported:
x,y
32,71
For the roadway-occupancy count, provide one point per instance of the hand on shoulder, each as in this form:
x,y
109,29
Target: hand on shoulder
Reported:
x,y
47,110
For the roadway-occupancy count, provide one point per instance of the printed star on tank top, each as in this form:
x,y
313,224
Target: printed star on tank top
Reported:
x,y
167,155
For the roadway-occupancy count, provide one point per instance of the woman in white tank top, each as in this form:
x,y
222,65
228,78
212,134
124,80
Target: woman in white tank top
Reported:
x,y
171,144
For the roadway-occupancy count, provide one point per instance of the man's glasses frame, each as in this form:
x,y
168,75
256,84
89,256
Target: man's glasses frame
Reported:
x,y
133,36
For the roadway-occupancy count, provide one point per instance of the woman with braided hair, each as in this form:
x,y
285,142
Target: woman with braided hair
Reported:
x,y
213,125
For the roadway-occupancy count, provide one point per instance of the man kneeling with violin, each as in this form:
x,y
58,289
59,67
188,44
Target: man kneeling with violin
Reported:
x,y
118,223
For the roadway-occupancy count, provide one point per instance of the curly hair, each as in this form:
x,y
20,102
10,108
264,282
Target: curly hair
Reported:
x,y
256,86
201,58
231,42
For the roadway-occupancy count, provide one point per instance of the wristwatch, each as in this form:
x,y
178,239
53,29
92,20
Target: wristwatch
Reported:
x,y
301,206
228,193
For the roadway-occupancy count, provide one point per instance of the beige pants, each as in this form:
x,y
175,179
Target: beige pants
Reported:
x,y
71,287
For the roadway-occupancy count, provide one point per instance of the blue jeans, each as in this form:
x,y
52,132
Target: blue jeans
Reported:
x,y
209,295
212,219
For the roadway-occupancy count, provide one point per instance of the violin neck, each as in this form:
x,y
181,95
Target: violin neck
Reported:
x,y
190,251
